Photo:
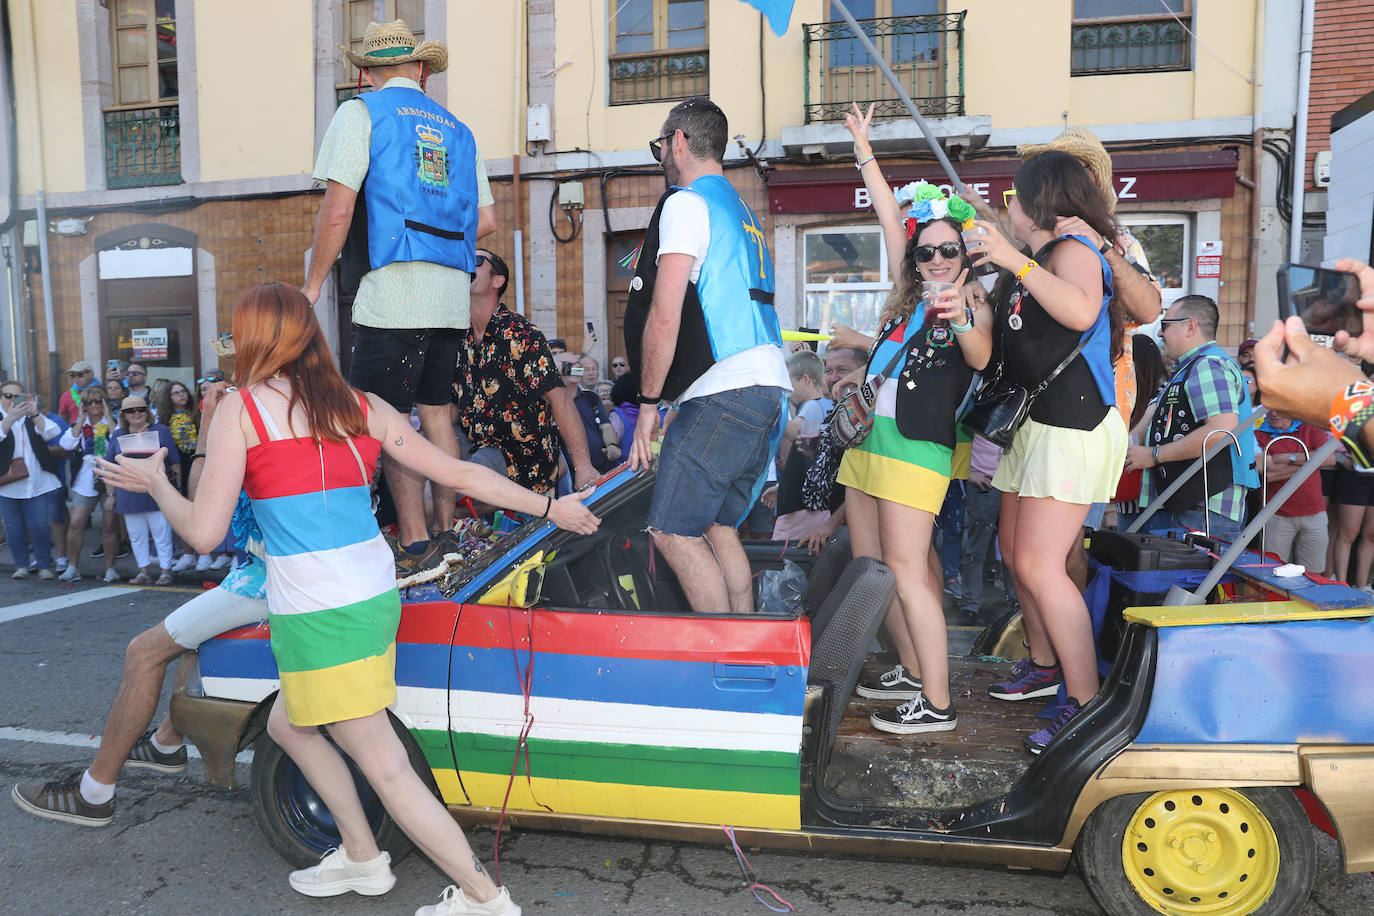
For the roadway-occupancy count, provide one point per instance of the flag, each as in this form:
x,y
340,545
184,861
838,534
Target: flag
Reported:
x,y
779,13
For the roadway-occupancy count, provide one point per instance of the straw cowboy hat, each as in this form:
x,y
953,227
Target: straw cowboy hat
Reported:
x,y
388,44
1084,146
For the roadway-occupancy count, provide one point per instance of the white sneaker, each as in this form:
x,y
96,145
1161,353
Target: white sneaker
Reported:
x,y
21,572
46,575
111,575
338,874
222,561
453,903
70,574
185,562
61,564
203,563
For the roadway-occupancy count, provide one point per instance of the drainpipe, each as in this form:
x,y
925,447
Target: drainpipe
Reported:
x,y
1300,133
1256,167
12,245
42,217
517,210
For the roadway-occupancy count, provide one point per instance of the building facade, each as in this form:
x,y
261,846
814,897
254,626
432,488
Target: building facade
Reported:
x,y
172,144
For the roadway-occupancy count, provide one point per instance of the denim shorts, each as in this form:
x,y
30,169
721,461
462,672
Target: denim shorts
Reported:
x,y
713,460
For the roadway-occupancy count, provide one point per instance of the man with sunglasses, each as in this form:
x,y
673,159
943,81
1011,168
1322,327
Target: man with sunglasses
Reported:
x,y
1205,393
406,200
701,330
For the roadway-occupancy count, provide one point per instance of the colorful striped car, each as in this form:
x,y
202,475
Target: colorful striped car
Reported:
x,y
1175,787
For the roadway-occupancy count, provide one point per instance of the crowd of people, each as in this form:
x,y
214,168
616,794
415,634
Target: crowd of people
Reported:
x,y
465,405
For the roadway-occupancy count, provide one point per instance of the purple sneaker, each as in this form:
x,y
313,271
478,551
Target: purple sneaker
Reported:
x,y
1038,741
1028,680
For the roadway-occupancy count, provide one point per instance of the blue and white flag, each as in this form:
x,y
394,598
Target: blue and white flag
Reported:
x,y
779,13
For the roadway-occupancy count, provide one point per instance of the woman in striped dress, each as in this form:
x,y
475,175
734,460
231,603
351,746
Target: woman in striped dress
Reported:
x,y
303,445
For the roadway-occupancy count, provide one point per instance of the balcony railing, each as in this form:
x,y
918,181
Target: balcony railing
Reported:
x,y
659,76
925,52
142,147
1134,46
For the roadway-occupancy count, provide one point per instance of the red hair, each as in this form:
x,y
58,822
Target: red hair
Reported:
x,y
275,332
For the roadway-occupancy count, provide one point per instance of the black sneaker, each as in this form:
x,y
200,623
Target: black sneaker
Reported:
x,y
915,716
150,758
60,800
98,552
433,562
896,684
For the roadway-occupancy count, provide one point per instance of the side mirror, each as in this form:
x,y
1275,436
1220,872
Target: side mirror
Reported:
x,y
524,591
519,587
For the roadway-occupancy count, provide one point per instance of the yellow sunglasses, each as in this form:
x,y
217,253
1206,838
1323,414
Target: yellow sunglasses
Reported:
x,y
1007,196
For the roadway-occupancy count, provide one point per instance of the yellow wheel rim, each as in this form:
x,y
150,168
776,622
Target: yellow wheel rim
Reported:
x,y
1201,851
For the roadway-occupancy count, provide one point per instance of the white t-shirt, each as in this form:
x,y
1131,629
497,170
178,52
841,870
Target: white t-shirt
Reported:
x,y
684,227
39,481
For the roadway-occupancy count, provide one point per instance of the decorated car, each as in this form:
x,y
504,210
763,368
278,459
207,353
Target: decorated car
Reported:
x,y
561,682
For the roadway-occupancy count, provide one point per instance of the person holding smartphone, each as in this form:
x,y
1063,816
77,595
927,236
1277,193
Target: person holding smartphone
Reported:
x,y
141,515
28,473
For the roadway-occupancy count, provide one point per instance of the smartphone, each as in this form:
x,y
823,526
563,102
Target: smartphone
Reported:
x,y
591,331
1324,300
572,369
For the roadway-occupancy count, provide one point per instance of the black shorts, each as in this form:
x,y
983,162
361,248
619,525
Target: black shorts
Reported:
x,y
1352,489
403,366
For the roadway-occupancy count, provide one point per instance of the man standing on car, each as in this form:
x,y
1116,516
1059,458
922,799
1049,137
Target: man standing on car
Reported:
x,y
701,330
1205,393
407,190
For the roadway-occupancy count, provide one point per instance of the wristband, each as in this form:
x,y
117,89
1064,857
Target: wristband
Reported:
x,y
1154,455
647,398
197,455
1106,247
863,162
1025,269
1350,410
548,505
966,326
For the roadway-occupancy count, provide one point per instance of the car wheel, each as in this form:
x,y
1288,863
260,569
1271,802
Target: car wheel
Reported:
x,y
296,821
1224,852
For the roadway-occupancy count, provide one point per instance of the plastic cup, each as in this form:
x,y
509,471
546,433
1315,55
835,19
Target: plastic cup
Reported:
x,y
932,288
139,445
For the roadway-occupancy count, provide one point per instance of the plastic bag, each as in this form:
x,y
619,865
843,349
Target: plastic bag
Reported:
x,y
780,590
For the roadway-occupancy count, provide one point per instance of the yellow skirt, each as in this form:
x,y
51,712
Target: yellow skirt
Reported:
x,y
1070,465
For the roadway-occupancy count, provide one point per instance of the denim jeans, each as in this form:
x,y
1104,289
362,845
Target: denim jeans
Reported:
x,y
982,508
1221,526
26,522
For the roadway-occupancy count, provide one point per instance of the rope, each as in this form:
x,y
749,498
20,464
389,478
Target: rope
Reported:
x,y
751,878
526,681
1249,79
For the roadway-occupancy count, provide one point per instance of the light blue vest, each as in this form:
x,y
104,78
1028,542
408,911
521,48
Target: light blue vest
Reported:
x,y
421,187
1244,470
735,283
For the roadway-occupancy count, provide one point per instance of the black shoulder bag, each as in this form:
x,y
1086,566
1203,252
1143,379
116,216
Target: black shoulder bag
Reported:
x,y
1000,408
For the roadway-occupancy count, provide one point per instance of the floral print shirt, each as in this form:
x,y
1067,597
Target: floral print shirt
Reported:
x,y
500,388
184,431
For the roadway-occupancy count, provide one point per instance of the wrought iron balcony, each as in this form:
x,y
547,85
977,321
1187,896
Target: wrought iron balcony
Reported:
x,y
142,147
1133,46
925,52
659,76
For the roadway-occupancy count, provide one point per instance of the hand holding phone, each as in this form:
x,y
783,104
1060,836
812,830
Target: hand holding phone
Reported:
x,y
1335,305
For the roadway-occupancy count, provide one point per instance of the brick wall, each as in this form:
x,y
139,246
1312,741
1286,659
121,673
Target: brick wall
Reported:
x,y
1342,67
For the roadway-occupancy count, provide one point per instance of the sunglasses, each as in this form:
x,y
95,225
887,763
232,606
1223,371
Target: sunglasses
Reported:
x,y
620,365
948,250
1007,196
11,397
656,146
483,259
1173,320
135,372
134,410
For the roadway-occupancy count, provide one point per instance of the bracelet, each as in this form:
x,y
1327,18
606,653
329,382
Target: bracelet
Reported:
x,y
1350,410
863,162
648,398
966,326
1025,269
1154,455
197,455
548,505
1106,247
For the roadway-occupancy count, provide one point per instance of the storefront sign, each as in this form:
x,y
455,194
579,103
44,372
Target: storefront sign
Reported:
x,y
1209,260
149,343
1136,177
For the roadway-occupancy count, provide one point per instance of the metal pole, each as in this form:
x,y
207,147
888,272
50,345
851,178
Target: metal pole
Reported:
x,y
1207,455
1300,134
901,93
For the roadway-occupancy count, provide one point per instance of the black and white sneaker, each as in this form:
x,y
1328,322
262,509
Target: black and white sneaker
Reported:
x,y
896,684
915,716
150,758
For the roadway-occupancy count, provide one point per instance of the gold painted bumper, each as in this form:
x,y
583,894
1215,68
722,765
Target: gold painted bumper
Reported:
x,y
217,728
1340,777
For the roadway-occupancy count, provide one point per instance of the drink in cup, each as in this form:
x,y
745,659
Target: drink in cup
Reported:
x,y
809,437
971,233
139,445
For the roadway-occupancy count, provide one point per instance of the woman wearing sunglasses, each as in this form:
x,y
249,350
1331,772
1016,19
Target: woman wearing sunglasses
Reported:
x,y
86,440
1070,451
895,480
141,514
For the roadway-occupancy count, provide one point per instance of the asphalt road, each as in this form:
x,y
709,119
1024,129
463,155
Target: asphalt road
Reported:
x,y
180,846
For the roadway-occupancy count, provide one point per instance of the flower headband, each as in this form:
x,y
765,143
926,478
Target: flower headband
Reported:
x,y
929,203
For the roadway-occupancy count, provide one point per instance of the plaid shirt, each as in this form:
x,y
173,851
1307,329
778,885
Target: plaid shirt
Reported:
x,y
1215,386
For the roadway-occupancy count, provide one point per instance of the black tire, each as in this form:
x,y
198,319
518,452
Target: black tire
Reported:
x,y
1102,859
294,819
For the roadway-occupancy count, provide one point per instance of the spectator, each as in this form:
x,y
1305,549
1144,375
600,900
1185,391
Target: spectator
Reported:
x,y
619,366
57,499
141,514
809,408
80,375
28,472
115,393
982,506
701,330
115,369
136,381
510,394
1149,375
411,247
1206,392
1297,534
1245,354
203,384
86,440
602,444
1069,452
603,394
558,345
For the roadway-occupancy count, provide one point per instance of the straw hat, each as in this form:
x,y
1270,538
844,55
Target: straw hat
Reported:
x,y
387,44
133,400
1084,146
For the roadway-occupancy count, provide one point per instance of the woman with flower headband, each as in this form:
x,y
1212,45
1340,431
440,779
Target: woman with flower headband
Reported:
x,y
895,480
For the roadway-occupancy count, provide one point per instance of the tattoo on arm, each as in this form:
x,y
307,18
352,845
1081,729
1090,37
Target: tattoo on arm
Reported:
x,y
399,440
477,864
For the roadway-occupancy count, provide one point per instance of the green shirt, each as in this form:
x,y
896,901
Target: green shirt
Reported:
x,y
403,294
